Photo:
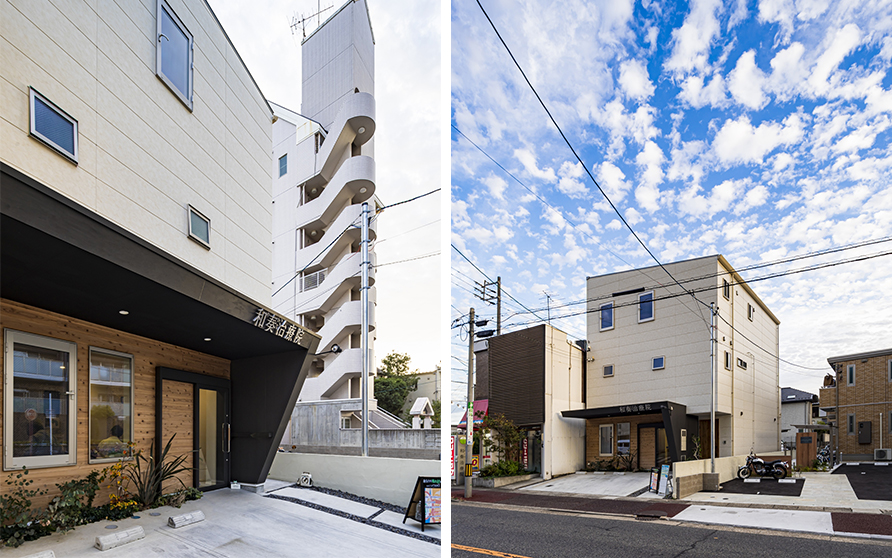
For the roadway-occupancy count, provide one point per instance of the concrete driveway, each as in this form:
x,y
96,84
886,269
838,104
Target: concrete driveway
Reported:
x,y
598,483
238,524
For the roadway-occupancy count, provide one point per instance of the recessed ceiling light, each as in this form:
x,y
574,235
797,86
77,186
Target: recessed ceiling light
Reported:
x,y
363,190
207,338
314,190
312,233
123,312
361,130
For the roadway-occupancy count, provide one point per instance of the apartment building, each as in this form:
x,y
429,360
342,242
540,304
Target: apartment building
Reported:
x,y
649,369
136,235
323,171
856,398
798,408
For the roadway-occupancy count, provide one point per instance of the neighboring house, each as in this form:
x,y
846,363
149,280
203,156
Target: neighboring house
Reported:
x,y
323,169
797,407
648,386
428,386
856,399
135,248
530,376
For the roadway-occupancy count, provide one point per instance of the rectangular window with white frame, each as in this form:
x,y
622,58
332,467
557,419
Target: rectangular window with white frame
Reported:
x,y
39,401
606,311
52,126
199,227
726,289
111,405
283,165
741,363
850,375
658,363
750,312
605,438
727,360
173,53
646,307
608,370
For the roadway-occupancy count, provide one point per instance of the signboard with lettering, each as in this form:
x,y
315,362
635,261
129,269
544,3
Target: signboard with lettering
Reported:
x,y
664,480
279,326
452,457
425,506
525,454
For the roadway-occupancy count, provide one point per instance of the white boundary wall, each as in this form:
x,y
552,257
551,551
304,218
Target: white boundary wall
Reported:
x,y
387,479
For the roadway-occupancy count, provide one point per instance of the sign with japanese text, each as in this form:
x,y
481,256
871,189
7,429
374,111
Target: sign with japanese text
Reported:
x,y
525,454
279,326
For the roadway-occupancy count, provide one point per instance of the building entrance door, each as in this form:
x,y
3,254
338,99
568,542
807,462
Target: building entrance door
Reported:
x,y
214,432
662,448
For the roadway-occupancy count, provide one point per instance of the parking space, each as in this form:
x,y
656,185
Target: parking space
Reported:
x,y
598,483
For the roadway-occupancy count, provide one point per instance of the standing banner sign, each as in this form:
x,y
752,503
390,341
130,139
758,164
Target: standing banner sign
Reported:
x,y
524,454
664,480
425,505
452,457
654,479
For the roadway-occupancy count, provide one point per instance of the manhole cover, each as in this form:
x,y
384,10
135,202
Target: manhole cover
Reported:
x,y
135,516
154,513
111,526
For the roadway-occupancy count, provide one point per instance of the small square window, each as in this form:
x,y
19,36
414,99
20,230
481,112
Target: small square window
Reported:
x,y
659,363
850,374
645,307
727,360
608,370
741,363
199,228
750,312
726,289
53,126
283,165
606,316
173,55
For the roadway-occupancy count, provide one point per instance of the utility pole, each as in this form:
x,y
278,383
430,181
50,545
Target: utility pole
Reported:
x,y
548,305
713,342
469,439
364,297
485,292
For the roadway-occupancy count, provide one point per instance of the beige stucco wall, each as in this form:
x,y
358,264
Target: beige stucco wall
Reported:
x,y
563,439
143,156
382,478
680,333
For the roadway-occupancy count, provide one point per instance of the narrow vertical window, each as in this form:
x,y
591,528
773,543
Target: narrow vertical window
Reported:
x,y
727,360
726,289
173,55
199,228
52,126
645,307
283,165
606,439
39,392
111,404
624,438
750,312
606,316
850,374
851,424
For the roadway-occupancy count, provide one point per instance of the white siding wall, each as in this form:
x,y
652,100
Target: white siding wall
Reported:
x,y
563,439
143,155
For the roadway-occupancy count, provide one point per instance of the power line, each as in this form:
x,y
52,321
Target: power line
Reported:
x,y
410,259
407,201
408,231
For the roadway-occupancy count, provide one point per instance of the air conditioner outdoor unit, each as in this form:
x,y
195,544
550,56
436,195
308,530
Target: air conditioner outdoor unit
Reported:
x,y
882,455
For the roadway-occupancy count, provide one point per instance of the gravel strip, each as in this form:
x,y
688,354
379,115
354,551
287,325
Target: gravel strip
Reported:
x,y
353,517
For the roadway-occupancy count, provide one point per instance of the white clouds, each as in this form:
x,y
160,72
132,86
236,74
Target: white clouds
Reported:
x,y
569,183
842,43
698,95
720,199
738,141
528,160
614,225
746,82
692,40
613,181
634,80
788,71
496,186
649,161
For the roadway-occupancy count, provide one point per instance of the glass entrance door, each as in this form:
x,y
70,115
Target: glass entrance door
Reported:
x,y
662,447
213,428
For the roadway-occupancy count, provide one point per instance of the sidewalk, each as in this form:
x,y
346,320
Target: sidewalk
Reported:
x,y
737,510
240,523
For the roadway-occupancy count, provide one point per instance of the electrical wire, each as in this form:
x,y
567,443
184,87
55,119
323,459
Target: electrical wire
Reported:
x,y
407,201
410,259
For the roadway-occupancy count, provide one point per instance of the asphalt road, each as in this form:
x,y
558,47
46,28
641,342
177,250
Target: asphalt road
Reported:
x,y
495,531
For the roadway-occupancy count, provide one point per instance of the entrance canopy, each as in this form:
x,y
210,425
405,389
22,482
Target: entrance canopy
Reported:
x,y
481,409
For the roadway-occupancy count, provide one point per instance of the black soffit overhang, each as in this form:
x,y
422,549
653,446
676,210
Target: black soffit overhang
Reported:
x,y
58,256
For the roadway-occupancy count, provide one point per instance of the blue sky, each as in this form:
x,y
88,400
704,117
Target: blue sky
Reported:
x,y
758,130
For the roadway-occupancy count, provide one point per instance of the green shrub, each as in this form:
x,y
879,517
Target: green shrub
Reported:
x,y
73,505
147,475
503,468
18,522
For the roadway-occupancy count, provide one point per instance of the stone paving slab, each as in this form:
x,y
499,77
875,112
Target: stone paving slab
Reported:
x,y
606,484
329,501
787,520
396,520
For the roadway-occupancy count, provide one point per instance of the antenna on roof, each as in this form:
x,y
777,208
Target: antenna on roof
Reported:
x,y
302,21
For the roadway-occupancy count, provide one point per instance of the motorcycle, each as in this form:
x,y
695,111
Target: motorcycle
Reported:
x,y
757,465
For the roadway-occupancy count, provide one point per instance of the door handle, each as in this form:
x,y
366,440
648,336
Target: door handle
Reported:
x,y
227,438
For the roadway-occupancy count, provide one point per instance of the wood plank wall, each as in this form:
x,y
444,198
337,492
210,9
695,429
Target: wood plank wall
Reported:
x,y
147,355
177,418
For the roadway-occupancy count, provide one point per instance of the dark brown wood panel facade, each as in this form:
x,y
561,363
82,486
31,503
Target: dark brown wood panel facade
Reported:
x,y
517,376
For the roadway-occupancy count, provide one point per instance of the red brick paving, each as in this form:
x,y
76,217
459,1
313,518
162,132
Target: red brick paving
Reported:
x,y
866,523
